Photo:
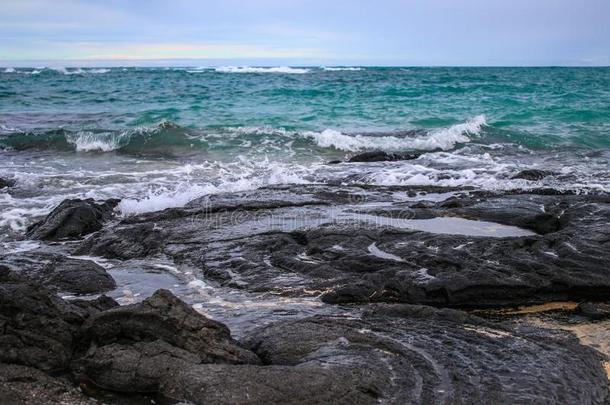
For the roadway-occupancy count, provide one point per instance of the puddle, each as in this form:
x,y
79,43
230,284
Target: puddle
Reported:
x,y
241,311
288,221
449,226
375,251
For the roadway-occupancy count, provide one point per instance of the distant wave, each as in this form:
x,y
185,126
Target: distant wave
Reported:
x,y
248,69
61,70
80,71
339,69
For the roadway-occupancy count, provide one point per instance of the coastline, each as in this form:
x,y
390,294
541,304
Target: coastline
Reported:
x,y
343,291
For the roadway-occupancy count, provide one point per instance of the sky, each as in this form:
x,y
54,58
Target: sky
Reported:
x,y
305,32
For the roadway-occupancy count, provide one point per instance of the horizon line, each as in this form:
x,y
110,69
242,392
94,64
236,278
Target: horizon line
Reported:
x,y
119,63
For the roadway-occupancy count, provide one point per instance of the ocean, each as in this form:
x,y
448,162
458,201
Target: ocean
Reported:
x,y
160,137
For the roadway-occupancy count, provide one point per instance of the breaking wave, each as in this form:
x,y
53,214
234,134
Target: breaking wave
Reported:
x,y
341,69
444,139
167,139
248,69
232,177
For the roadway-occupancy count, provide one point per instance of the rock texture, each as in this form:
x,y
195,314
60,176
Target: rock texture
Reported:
x,y
400,354
38,328
20,385
381,156
132,348
358,245
61,273
5,183
532,174
72,219
392,353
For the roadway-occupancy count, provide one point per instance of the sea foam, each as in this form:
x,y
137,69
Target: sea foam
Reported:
x,y
238,176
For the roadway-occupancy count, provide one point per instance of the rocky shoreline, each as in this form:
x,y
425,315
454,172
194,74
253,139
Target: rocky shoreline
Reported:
x,y
415,283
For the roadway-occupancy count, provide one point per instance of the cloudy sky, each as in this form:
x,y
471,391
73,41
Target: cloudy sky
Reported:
x,y
302,32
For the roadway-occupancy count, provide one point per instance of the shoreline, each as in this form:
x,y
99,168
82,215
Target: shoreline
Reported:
x,y
349,272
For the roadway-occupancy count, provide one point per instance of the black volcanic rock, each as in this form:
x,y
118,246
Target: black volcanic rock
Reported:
x,y
38,328
399,354
152,339
5,183
532,174
124,243
594,310
72,219
21,385
316,235
381,156
392,353
61,273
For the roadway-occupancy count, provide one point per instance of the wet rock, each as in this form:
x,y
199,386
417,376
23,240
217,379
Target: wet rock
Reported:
x,y
72,219
312,240
381,156
594,310
168,125
532,174
20,385
5,183
97,305
38,328
400,355
61,273
540,214
124,242
132,348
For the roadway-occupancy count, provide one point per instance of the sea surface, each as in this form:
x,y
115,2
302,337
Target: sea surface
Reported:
x,y
159,137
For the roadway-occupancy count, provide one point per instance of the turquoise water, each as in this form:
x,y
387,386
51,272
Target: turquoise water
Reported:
x,y
538,107
157,137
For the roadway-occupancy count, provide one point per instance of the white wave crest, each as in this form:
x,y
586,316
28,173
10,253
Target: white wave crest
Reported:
x,y
9,70
444,139
339,69
79,71
239,176
86,141
248,69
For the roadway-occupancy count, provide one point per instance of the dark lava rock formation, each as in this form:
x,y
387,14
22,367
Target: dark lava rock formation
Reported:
x,y
359,245
38,328
61,273
72,219
21,385
532,174
5,183
381,156
392,354
386,251
134,348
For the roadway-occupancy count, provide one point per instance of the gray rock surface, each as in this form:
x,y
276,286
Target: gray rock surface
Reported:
x,y
38,328
373,244
400,354
61,273
72,219
131,348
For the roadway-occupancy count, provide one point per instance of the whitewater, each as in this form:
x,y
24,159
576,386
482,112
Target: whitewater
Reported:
x,y
158,138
